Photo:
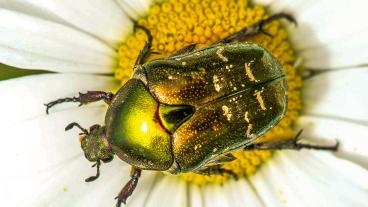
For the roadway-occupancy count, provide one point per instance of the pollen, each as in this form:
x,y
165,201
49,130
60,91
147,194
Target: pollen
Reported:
x,y
178,23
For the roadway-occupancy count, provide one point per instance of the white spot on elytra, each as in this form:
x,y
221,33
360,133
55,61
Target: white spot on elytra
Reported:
x,y
248,132
227,112
248,71
246,117
197,146
260,100
220,55
216,83
183,63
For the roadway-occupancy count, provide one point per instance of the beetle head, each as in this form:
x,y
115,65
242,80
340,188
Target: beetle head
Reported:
x,y
95,145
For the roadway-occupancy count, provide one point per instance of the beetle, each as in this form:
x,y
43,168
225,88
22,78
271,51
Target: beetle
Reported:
x,y
187,112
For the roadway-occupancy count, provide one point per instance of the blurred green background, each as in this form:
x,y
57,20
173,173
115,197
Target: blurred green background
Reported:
x,y
8,72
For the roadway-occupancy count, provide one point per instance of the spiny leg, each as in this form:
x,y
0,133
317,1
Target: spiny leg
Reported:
x,y
83,98
186,49
292,144
129,187
256,28
216,170
146,51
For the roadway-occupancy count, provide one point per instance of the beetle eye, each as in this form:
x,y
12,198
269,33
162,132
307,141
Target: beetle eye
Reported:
x,y
173,116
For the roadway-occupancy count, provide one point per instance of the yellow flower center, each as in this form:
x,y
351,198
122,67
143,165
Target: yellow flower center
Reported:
x,y
178,23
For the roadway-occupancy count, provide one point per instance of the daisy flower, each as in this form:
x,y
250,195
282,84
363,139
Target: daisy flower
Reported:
x,y
90,45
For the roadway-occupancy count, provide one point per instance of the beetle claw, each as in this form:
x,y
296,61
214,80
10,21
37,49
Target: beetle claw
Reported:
x,y
265,33
93,178
90,179
337,145
47,108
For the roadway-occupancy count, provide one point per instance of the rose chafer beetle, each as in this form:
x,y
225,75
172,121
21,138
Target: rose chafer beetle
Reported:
x,y
189,111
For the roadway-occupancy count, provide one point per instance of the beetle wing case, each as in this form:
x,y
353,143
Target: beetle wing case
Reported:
x,y
238,90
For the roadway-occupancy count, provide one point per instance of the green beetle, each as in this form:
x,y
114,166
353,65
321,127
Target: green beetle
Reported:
x,y
189,111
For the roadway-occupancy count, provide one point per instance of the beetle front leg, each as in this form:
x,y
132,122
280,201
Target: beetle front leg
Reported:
x,y
128,189
83,98
94,177
256,28
293,144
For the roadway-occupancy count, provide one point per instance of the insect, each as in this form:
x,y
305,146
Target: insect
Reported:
x,y
187,112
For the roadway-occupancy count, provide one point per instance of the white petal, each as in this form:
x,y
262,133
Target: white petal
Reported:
x,y
23,98
196,196
215,196
308,178
32,43
296,8
45,165
329,33
168,191
353,137
101,18
135,8
240,193
338,94
348,51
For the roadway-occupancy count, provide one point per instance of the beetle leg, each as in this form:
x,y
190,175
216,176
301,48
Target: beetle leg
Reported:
x,y
186,49
216,170
83,98
129,187
256,28
146,51
94,177
293,144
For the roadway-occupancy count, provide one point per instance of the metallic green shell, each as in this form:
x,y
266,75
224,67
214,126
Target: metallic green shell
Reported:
x,y
238,90
133,129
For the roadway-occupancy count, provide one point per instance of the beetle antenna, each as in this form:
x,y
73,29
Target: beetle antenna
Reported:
x,y
94,177
75,124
